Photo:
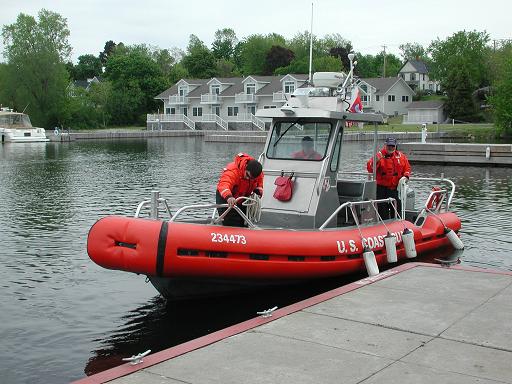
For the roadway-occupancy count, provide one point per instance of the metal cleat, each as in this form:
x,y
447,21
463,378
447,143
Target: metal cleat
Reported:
x,y
137,359
267,312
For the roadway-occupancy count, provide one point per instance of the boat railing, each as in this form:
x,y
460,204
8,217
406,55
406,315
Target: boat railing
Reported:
x,y
351,204
246,201
154,204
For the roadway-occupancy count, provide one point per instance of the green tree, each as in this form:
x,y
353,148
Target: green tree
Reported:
x,y
462,49
373,66
413,51
199,60
36,53
135,79
225,68
460,104
501,98
109,48
224,43
88,66
178,71
254,50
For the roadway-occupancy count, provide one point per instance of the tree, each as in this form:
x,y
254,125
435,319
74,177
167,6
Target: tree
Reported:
x,y
199,60
88,66
413,51
460,104
224,44
178,72
277,57
109,48
462,49
135,79
373,66
224,68
36,52
501,98
254,50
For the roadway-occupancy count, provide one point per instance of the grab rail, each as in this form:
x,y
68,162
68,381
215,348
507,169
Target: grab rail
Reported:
x,y
389,200
154,203
208,206
442,179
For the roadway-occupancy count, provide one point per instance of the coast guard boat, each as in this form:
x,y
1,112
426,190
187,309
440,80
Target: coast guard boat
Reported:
x,y
15,127
328,226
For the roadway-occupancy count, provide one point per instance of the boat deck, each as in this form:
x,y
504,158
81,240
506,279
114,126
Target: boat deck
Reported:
x,y
417,323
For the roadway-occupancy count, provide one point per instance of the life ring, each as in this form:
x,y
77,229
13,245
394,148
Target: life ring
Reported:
x,y
56,132
435,199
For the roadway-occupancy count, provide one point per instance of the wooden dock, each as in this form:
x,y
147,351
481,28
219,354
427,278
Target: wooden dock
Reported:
x,y
416,323
499,155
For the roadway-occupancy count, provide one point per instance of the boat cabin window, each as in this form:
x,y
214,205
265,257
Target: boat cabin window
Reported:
x,y
299,140
14,120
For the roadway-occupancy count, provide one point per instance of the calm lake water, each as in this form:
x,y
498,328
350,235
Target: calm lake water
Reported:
x,y
63,317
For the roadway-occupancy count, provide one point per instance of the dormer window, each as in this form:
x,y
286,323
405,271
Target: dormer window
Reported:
x,y
289,86
215,89
183,90
250,89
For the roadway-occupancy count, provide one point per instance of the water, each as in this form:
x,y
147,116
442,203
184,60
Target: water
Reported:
x,y
63,317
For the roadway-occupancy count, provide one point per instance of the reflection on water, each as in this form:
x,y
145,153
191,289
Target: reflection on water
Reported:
x,y
61,313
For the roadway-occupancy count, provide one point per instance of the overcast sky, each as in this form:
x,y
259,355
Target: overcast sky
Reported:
x,y
368,24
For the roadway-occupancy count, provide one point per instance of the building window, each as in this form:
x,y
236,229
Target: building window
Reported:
x,y
232,111
289,86
423,77
402,76
185,111
197,111
365,98
413,76
269,106
216,110
364,87
391,97
167,111
252,109
405,99
423,86
215,89
250,89
183,90
377,97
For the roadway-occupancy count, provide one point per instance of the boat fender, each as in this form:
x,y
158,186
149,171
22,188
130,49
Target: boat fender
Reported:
x,y
454,239
434,200
390,241
409,245
370,262
56,132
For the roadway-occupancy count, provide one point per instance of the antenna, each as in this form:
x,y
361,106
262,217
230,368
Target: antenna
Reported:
x,y
311,46
384,68
24,109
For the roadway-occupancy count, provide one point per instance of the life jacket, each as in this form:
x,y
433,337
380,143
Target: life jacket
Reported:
x,y
232,181
391,167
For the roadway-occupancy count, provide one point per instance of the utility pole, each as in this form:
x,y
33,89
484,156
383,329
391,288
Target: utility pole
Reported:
x,y
384,67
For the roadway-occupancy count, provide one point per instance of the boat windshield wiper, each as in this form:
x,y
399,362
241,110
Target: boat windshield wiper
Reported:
x,y
286,130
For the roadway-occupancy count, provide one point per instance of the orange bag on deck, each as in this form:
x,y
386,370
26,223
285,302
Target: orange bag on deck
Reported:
x,y
284,188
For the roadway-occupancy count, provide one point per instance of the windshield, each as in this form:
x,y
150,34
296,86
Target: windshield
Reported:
x,y
299,140
14,120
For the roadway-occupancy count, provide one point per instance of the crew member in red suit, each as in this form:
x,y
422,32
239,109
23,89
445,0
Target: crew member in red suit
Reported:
x,y
308,152
242,177
392,165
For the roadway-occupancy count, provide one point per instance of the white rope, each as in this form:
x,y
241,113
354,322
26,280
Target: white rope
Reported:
x,y
253,204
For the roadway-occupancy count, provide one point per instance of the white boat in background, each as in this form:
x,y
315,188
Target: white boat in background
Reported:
x,y
15,127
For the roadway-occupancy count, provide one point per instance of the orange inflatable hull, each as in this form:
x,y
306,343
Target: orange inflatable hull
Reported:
x,y
178,249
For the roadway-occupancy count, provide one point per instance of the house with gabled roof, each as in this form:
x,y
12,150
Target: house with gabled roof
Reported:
x,y
222,103
416,75
387,95
425,112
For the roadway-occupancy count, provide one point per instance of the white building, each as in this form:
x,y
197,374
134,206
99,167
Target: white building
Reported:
x,y
425,112
219,103
231,103
387,95
415,74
